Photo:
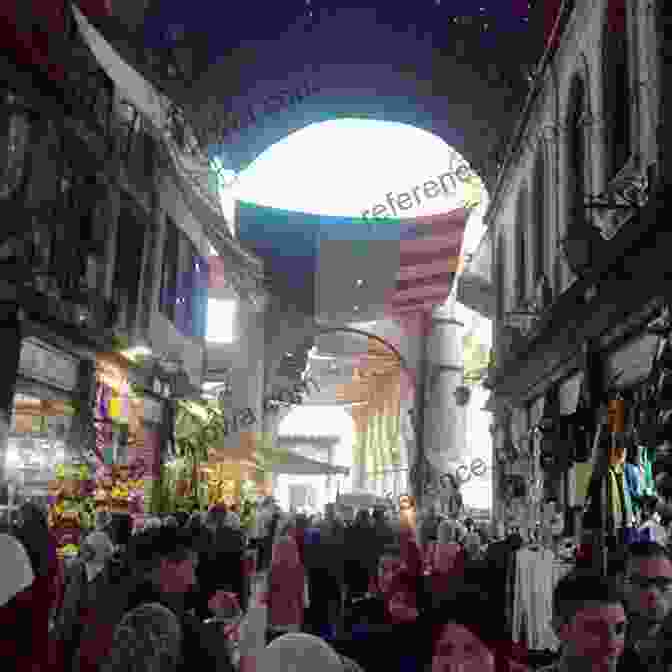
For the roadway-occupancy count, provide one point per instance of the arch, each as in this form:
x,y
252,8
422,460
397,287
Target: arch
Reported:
x,y
616,87
372,80
539,215
577,154
522,227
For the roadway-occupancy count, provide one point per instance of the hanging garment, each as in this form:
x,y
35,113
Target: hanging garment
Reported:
x,y
634,480
533,599
620,503
579,480
649,485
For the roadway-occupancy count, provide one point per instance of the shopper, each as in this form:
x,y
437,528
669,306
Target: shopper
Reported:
x,y
590,621
83,593
648,592
164,560
286,589
148,639
47,589
460,633
301,653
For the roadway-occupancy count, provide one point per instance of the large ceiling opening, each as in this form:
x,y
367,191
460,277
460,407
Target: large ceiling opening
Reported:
x,y
361,169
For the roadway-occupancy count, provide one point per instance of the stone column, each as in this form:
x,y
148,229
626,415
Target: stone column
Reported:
x,y
444,421
10,343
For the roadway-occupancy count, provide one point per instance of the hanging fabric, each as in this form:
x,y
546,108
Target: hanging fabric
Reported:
x,y
533,599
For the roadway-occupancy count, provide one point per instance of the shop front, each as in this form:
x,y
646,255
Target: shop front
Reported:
x,y
128,420
41,417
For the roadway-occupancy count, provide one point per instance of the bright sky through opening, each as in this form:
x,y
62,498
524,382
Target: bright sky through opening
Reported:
x,y
346,166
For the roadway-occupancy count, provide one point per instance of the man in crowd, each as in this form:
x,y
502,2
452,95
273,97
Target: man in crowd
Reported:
x,y
590,622
648,591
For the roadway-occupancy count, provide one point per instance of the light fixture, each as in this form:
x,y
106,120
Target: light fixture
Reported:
x,y
140,350
355,308
360,283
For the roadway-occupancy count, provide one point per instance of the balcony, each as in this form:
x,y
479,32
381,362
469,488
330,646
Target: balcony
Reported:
x,y
52,274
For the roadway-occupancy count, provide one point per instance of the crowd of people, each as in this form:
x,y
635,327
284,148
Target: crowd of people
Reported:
x,y
362,592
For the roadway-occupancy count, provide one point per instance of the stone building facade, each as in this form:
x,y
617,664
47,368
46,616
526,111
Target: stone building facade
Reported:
x,y
573,226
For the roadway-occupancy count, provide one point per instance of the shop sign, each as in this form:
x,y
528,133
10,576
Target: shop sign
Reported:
x,y
45,364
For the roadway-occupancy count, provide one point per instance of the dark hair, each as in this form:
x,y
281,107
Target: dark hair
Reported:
x,y
35,537
148,548
121,528
646,549
465,605
579,587
182,518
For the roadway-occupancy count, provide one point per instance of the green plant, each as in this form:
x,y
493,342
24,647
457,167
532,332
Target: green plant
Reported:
x,y
476,360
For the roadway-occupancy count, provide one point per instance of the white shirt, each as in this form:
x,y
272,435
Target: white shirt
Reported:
x,y
533,599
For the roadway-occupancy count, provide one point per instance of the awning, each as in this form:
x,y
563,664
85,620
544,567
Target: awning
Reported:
x,y
191,170
296,464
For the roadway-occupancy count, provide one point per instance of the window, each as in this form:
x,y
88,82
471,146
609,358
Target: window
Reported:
x,y
184,283
576,157
521,247
539,216
616,88
169,273
131,125
15,131
221,321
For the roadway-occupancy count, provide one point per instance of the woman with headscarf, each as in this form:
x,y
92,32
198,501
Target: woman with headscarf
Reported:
x,y
222,566
148,639
449,560
286,589
299,652
83,591
46,592
17,626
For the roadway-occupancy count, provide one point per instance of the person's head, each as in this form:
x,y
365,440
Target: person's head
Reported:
x,y
379,515
148,639
459,632
95,551
216,517
648,582
469,524
103,520
389,565
472,544
17,572
165,557
182,518
447,532
363,518
589,619
171,521
649,506
348,514
121,529
32,531
299,652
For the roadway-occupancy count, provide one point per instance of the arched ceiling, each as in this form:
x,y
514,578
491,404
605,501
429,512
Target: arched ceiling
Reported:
x,y
457,69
